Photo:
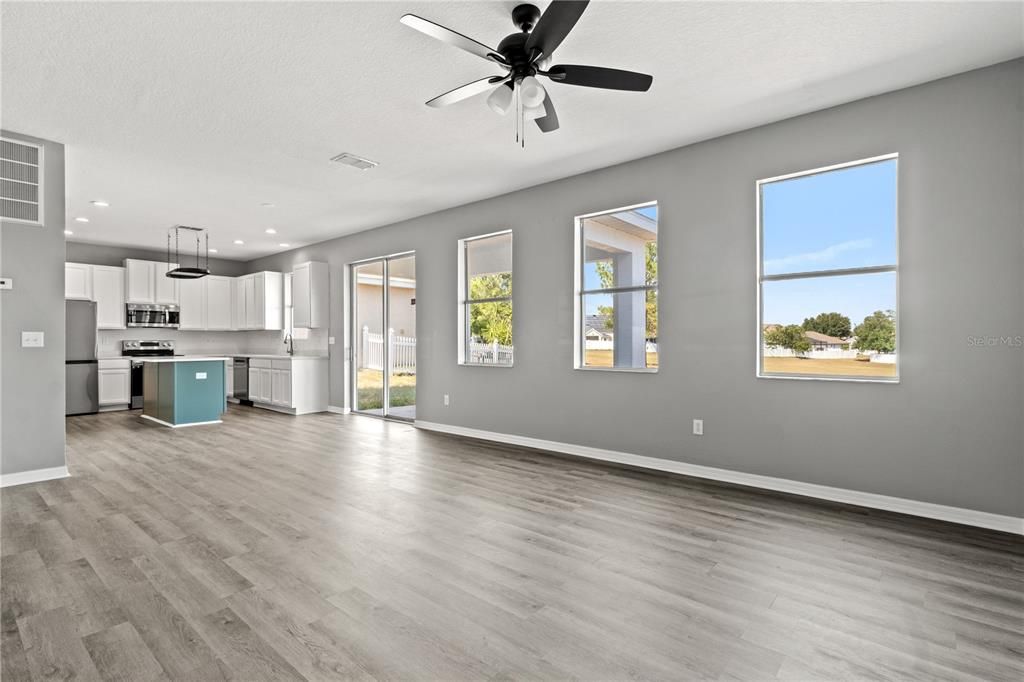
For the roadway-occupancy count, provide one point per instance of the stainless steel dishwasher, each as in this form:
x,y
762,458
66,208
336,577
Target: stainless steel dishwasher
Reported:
x,y
242,380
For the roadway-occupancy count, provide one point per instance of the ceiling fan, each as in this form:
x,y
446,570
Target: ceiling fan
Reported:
x,y
525,55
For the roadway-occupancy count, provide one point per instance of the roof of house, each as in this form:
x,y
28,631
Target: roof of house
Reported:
x,y
824,338
599,323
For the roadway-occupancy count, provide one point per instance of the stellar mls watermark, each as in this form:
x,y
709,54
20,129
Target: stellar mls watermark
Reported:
x,y
989,341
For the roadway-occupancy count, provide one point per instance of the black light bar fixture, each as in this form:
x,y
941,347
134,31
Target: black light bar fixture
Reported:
x,y
202,262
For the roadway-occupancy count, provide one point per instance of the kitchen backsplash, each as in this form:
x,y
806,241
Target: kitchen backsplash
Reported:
x,y
307,341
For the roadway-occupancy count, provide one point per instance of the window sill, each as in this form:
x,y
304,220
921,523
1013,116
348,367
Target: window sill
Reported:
x,y
486,364
814,377
626,370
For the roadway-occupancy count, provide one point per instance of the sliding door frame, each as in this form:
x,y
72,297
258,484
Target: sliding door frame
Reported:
x,y
385,262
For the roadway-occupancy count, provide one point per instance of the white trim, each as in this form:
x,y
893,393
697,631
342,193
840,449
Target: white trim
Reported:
x,y
334,409
180,426
33,476
969,517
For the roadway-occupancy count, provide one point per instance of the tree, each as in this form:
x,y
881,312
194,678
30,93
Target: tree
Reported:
x,y
832,324
491,321
877,332
791,336
606,272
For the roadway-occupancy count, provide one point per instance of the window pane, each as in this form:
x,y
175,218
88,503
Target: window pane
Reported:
x,y
490,333
844,218
621,249
489,266
830,326
621,330
369,337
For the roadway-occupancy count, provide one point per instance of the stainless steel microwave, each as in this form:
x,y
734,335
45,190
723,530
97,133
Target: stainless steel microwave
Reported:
x,y
152,315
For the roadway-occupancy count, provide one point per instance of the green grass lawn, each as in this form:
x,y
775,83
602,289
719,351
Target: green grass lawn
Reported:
x,y
369,395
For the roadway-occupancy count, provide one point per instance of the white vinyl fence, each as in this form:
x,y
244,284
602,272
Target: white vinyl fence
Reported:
x,y
402,352
490,353
831,354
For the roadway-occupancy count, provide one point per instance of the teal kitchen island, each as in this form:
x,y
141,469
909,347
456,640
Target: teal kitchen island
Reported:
x,y
184,391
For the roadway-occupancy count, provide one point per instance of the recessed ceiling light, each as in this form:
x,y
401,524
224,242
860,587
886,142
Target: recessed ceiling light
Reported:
x,y
239,242
68,232
267,204
213,250
270,230
81,219
100,203
285,246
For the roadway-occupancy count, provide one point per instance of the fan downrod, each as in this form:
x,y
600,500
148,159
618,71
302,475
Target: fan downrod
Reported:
x,y
525,17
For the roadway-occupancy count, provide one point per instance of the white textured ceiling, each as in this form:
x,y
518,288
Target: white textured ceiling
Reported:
x,y
198,113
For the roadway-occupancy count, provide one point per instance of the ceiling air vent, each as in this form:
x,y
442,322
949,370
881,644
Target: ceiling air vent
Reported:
x,y
357,162
20,182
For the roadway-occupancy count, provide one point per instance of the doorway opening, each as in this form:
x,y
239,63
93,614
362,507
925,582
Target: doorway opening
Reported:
x,y
384,337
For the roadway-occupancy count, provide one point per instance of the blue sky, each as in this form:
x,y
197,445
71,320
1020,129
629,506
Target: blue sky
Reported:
x,y
840,219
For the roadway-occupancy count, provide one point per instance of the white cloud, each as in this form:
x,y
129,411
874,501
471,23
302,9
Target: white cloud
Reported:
x,y
826,255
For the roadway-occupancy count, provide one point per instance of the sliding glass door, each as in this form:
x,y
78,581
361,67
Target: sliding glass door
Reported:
x,y
384,337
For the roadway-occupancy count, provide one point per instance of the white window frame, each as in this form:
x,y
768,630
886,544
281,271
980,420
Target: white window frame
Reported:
x,y
465,301
865,270
41,184
579,292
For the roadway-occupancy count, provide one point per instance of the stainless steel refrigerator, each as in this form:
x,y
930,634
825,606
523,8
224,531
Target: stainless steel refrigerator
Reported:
x,y
81,372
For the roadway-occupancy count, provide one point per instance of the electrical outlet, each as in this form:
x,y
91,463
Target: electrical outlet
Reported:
x,y
698,427
446,400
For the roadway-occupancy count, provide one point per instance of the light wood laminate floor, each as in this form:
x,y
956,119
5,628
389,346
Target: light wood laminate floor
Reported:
x,y
336,547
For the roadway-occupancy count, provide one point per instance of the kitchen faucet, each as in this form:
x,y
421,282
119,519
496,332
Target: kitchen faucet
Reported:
x,y
290,343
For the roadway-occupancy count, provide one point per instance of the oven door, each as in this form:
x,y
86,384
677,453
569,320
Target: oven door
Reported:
x,y
136,384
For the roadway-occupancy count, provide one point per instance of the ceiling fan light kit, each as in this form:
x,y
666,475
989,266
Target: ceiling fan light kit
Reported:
x,y
524,56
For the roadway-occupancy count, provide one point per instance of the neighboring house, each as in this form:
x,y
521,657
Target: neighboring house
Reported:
x,y
597,328
818,340
825,342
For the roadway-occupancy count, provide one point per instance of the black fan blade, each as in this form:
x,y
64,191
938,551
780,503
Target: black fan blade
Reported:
x,y
554,25
466,91
548,122
600,77
453,38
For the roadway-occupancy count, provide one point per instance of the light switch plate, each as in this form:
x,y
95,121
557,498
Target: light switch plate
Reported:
x,y
330,340
32,340
200,375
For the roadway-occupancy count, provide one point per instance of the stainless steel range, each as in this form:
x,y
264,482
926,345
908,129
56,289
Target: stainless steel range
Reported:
x,y
143,349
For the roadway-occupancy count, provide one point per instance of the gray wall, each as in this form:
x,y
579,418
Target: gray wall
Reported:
x,y
32,379
104,254
952,432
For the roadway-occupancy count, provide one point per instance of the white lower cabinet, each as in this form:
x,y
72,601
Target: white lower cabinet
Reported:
x,y
297,385
114,382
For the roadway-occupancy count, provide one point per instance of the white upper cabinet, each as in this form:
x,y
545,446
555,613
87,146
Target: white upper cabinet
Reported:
x,y
108,292
78,281
238,303
166,289
147,282
262,297
192,303
218,302
310,295
205,303
139,281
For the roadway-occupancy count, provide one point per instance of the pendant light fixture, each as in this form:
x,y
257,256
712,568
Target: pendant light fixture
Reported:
x,y
202,248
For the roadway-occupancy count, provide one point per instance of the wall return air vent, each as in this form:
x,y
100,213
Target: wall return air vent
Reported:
x,y
357,162
21,182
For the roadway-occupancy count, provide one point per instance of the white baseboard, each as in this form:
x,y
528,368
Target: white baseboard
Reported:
x,y
969,517
34,476
338,410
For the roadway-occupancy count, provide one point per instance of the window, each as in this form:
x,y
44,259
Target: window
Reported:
x,y
485,300
827,269
616,305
